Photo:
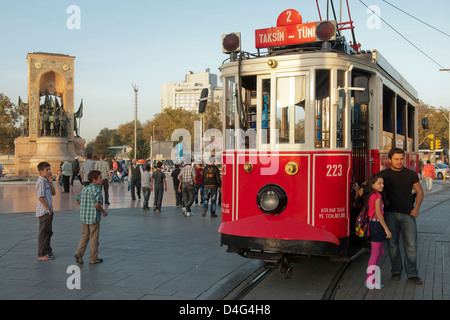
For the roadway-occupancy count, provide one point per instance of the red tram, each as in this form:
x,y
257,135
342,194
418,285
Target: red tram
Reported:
x,y
302,122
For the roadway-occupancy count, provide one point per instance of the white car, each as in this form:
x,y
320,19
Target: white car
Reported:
x,y
441,169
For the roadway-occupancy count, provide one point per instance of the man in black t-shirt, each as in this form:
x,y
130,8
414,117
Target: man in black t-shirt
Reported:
x,y
401,213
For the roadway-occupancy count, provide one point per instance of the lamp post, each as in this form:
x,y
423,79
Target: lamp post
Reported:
x,y
135,88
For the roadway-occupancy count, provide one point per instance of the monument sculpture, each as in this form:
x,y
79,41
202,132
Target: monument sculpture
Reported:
x,y
49,118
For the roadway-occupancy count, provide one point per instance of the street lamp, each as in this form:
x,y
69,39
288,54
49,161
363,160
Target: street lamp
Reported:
x,y
135,88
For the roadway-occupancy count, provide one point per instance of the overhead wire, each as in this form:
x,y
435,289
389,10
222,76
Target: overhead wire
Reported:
x,y
406,39
425,23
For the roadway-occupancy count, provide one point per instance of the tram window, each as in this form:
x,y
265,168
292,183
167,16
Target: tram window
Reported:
x,y
248,114
340,110
230,110
388,118
299,122
265,113
401,123
411,127
291,109
322,109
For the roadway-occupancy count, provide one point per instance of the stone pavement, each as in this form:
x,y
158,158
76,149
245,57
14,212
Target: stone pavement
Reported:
x,y
147,255
433,258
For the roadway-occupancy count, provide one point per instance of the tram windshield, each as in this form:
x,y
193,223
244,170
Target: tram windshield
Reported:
x,y
282,110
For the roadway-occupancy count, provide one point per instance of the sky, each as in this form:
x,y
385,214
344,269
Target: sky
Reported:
x,y
147,43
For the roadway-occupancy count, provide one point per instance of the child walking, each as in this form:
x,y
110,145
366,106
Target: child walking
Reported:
x,y
157,182
373,200
146,177
44,210
90,200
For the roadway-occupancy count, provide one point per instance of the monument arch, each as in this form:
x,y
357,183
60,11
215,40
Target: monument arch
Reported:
x,y
48,133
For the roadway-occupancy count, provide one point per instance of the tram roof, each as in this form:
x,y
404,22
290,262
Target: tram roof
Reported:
x,y
375,56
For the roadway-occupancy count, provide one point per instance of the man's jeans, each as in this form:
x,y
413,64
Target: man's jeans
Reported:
x,y
197,188
404,225
207,192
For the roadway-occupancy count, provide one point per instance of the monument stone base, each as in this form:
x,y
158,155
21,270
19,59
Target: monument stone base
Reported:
x,y
54,150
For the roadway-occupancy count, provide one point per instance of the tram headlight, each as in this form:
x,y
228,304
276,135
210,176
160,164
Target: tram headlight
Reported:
x,y
271,199
231,42
326,30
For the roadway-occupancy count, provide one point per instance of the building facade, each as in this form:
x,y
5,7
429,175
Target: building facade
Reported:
x,y
186,94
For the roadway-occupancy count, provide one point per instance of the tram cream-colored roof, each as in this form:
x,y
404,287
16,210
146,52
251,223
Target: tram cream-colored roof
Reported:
x,y
376,57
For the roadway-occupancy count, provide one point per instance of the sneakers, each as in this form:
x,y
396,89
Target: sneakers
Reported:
x,y
183,210
46,257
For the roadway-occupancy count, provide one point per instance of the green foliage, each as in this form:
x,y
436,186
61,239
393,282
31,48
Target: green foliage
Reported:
x,y
437,125
9,117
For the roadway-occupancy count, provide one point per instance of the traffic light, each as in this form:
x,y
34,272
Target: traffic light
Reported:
x,y
203,100
431,145
438,144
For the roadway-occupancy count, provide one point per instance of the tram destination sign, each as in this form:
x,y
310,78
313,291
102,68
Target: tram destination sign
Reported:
x,y
290,30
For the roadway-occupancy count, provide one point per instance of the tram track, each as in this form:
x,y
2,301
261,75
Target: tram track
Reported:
x,y
257,278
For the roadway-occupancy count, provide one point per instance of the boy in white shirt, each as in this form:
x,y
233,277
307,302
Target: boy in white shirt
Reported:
x,y
146,176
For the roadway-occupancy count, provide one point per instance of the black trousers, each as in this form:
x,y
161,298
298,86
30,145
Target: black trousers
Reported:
x,y
135,184
66,183
45,234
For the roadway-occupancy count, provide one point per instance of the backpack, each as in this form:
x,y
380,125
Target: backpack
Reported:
x,y
362,225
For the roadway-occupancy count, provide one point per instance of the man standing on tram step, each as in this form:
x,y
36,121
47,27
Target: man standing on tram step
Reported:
x,y
135,179
87,167
211,183
401,214
186,187
158,179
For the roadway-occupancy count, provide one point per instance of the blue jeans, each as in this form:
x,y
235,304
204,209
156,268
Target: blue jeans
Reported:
x,y
207,192
146,193
198,187
404,225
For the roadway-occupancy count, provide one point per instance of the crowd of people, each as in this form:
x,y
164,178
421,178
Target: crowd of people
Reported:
x,y
392,199
96,175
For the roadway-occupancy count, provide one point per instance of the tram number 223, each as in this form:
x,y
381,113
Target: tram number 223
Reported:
x,y
334,170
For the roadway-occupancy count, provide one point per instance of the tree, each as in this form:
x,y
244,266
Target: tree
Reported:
x,y
100,147
9,117
437,125
168,121
143,148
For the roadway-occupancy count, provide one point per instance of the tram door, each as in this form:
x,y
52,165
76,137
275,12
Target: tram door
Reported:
x,y
359,128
